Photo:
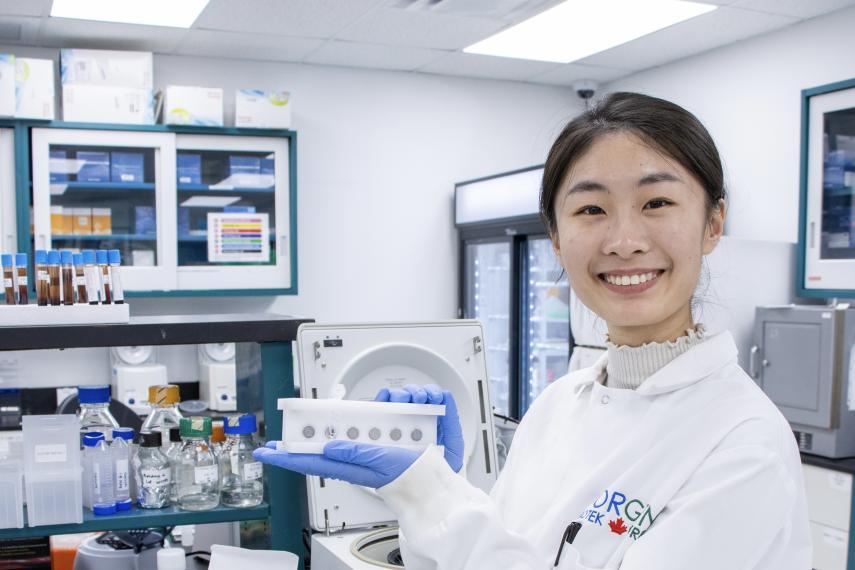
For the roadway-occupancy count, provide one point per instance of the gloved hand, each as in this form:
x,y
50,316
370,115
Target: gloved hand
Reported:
x,y
375,465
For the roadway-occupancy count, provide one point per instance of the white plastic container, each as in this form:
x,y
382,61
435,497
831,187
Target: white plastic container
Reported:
x,y
11,497
308,425
52,469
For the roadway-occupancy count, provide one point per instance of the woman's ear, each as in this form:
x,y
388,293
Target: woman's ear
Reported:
x,y
715,227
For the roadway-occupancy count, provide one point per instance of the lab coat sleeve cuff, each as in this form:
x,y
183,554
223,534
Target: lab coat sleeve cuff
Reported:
x,y
427,492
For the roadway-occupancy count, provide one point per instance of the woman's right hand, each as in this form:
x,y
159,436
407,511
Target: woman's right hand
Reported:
x,y
449,433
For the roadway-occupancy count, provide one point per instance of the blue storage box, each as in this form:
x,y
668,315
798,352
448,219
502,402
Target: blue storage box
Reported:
x,y
183,221
145,220
95,168
239,209
267,165
58,166
245,170
189,168
127,166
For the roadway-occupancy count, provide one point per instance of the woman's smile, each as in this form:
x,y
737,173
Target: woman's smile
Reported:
x,y
630,281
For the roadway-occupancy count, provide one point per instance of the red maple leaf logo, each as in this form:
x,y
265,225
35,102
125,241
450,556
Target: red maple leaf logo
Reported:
x,y
617,526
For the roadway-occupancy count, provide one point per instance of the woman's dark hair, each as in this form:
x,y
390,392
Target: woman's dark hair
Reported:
x,y
665,126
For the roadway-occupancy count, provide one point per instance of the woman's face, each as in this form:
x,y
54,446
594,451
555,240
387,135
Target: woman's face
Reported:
x,y
632,226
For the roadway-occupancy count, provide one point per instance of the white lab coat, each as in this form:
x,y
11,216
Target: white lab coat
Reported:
x,y
694,470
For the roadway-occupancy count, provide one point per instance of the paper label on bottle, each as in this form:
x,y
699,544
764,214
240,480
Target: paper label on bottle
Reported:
x,y
154,477
252,471
50,453
22,280
122,483
43,275
7,282
205,475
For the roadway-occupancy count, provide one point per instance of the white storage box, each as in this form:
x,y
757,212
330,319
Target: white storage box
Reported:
x,y
7,85
11,498
107,68
201,106
259,109
34,93
308,425
106,104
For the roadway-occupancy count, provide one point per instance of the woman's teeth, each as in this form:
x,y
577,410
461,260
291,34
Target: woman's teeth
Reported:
x,y
631,279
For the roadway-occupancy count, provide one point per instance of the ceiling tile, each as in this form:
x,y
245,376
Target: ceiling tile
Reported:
x,y
476,65
63,32
714,29
352,54
420,29
571,72
209,43
307,18
25,7
796,8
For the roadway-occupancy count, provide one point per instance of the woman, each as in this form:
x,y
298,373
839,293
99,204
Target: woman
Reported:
x,y
662,456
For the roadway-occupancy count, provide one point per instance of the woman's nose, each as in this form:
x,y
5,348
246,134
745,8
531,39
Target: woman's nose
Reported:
x,y
625,237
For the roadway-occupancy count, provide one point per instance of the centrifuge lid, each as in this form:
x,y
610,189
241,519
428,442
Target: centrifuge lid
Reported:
x,y
354,361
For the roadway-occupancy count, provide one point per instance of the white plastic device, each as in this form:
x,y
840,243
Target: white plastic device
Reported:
x,y
308,425
218,376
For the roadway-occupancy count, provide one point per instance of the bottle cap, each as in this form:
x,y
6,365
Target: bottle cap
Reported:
x,y
91,438
94,394
101,256
125,433
53,257
175,434
89,256
240,425
218,434
150,439
163,395
21,259
197,426
171,559
124,505
102,510
65,256
114,256
77,258
41,256
6,259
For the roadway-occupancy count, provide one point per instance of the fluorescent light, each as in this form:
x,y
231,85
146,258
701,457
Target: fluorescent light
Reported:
x,y
578,28
169,13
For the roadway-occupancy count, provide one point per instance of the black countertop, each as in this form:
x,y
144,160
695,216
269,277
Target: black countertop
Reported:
x,y
847,465
156,330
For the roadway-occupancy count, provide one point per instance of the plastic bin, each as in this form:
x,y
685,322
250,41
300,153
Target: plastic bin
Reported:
x,y
52,469
11,497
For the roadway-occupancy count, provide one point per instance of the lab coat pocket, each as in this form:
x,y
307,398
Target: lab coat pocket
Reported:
x,y
571,559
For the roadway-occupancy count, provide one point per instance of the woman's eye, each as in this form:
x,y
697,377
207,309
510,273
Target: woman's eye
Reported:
x,y
590,211
656,204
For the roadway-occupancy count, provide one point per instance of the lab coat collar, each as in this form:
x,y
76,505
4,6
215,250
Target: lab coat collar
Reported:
x,y
695,364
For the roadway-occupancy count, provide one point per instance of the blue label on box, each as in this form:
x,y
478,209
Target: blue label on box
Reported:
x,y
244,165
127,166
95,166
189,168
145,220
239,209
58,166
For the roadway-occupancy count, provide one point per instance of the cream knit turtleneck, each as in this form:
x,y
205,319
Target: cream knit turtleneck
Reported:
x,y
629,366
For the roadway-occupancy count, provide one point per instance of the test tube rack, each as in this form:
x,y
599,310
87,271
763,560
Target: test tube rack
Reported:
x,y
35,315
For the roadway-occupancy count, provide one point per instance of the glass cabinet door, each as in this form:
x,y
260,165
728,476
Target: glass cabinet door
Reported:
x,y
108,190
487,283
233,212
830,222
8,225
546,330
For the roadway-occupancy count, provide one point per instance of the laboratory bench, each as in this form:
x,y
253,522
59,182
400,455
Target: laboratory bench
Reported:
x,y
828,486
285,491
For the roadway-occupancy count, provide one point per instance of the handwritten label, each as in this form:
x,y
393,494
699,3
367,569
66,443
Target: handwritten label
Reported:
x,y
154,477
205,475
50,453
252,471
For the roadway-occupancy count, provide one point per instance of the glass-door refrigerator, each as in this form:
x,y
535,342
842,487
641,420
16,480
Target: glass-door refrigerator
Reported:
x,y
512,282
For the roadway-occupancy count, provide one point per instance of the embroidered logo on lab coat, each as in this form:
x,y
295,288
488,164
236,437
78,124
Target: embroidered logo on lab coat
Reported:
x,y
620,514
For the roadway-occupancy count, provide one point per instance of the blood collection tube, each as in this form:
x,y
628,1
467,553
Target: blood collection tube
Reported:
x,y
23,282
93,278
67,278
115,258
8,277
79,279
55,287
104,272
42,278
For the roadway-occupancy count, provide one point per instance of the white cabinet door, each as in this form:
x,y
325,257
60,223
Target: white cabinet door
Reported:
x,y
8,224
233,212
108,189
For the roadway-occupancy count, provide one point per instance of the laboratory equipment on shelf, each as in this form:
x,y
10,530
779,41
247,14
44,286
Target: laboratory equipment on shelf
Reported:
x,y
164,411
218,376
197,467
135,549
121,450
133,371
353,362
94,410
241,484
98,474
152,472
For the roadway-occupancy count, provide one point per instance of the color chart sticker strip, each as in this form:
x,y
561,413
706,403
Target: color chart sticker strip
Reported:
x,y
238,237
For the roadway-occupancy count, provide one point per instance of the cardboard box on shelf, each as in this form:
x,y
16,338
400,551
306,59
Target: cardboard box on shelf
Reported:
x,y
107,104
201,106
95,166
189,168
34,93
82,221
56,220
107,68
145,220
102,221
260,109
59,165
127,167
7,85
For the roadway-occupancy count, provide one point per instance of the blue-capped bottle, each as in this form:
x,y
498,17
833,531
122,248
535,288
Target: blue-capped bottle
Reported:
x,y
8,277
21,280
67,277
94,413
79,277
121,451
103,260
241,475
115,259
93,278
42,278
98,473
55,287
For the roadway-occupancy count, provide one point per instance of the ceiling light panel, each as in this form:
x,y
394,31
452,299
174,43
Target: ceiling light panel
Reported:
x,y
578,28
168,13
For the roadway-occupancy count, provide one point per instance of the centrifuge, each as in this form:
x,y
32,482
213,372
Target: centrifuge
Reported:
x,y
354,528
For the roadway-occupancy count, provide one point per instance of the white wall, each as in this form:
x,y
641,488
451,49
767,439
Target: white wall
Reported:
x,y
748,96
378,155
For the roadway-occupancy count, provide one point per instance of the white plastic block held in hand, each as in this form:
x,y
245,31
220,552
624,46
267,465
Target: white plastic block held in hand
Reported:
x,y
308,425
